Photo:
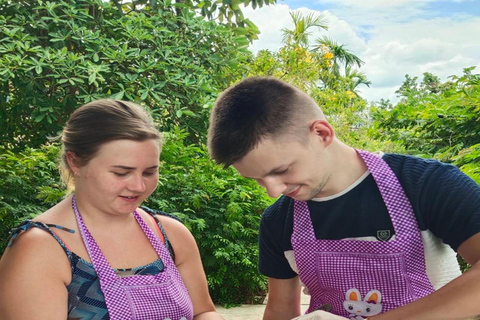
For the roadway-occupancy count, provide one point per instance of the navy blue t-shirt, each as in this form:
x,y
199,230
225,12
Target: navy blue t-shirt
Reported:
x,y
445,201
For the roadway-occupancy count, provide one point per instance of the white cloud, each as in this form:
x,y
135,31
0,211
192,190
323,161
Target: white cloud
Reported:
x,y
270,20
391,37
377,3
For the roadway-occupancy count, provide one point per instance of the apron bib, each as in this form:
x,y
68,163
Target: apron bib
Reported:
x,y
357,279
140,297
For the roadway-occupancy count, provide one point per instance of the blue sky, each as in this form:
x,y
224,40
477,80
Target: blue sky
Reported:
x,y
444,8
393,37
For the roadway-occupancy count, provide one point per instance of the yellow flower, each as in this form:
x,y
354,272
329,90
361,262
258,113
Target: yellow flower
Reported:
x,y
328,55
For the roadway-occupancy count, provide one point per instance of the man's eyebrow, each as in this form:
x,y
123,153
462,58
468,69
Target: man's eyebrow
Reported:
x,y
273,171
132,168
277,169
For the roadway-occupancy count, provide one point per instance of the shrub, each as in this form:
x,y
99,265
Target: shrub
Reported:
x,y
57,55
29,185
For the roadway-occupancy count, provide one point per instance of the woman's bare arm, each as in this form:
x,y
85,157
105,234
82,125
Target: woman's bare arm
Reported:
x,y
34,273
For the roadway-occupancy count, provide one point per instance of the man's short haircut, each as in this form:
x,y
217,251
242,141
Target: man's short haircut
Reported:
x,y
254,109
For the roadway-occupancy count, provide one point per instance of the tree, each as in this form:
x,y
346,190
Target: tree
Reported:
x,y
437,119
298,36
341,55
224,11
355,78
55,56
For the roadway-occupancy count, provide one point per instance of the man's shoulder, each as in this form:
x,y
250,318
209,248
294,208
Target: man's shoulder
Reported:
x,y
397,159
278,213
280,206
413,166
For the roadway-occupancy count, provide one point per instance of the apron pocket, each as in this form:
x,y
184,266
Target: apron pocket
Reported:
x,y
338,272
158,301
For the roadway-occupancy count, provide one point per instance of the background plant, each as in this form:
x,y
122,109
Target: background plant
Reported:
x,y
29,185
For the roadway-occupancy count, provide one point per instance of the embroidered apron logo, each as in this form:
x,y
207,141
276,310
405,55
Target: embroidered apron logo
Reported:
x,y
383,235
357,308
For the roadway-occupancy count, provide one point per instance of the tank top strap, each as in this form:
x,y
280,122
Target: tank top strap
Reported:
x,y
154,213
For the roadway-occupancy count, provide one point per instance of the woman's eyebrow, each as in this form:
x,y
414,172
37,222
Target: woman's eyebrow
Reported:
x,y
132,168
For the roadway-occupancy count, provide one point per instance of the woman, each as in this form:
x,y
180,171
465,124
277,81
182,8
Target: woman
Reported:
x,y
96,254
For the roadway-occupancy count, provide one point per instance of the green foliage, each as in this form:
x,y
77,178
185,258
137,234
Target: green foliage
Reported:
x,y
29,185
55,56
222,210
435,119
227,11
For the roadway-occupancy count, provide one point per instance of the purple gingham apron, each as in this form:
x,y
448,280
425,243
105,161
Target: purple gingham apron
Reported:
x,y
396,268
142,297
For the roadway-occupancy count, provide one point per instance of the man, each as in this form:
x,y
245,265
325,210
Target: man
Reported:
x,y
369,235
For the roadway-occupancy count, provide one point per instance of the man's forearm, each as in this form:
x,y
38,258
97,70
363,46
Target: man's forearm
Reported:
x,y
456,300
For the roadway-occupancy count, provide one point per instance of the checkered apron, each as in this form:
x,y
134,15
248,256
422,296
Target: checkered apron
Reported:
x,y
396,268
141,297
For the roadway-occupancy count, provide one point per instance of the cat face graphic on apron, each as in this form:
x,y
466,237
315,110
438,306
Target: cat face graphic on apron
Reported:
x,y
387,274
141,297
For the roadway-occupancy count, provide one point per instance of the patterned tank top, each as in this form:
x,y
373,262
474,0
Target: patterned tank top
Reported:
x,y
85,298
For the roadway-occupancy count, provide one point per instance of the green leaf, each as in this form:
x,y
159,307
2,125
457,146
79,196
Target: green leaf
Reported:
x,y
92,78
118,95
40,117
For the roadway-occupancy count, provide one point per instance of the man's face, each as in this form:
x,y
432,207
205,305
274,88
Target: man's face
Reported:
x,y
295,169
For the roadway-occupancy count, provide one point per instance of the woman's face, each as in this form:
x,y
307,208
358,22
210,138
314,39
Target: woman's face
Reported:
x,y
120,177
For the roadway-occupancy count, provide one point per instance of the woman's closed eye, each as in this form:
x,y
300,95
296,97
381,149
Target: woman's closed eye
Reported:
x,y
120,174
149,173
146,173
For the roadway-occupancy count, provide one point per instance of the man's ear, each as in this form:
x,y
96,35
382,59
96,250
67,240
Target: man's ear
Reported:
x,y
323,130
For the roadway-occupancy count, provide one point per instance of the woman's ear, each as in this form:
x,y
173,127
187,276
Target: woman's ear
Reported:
x,y
72,161
323,130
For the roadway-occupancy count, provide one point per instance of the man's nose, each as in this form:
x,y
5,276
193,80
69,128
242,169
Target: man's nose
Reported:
x,y
274,186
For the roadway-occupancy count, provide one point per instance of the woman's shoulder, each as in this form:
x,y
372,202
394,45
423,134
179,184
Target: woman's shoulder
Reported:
x,y
34,252
158,213
33,245
37,232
